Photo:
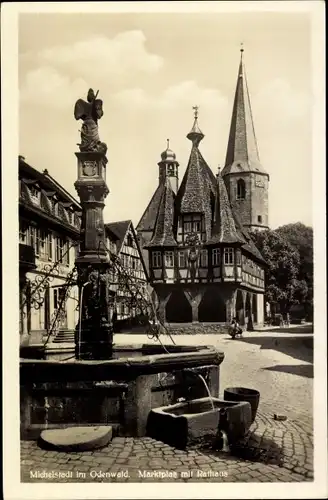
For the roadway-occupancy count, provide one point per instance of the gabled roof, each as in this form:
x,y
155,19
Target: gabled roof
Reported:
x,y
119,229
148,219
224,228
242,152
163,230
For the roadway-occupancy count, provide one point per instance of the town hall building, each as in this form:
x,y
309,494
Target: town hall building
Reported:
x,y
196,236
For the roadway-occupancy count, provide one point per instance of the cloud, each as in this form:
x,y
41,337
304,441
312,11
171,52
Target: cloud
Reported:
x,y
48,87
182,95
123,55
281,103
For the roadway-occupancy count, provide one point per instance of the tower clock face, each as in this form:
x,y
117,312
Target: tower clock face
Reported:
x,y
259,182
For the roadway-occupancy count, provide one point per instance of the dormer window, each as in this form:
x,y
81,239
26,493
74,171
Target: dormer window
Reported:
x,y
241,189
228,256
204,258
259,219
156,259
35,194
215,257
169,259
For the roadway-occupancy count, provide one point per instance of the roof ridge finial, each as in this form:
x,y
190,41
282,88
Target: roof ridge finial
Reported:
x,y
168,143
241,48
219,171
195,108
195,135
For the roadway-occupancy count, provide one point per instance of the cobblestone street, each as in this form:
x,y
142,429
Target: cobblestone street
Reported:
x,y
277,363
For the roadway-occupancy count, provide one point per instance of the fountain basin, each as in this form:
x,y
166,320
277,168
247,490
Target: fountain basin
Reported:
x,y
183,423
119,392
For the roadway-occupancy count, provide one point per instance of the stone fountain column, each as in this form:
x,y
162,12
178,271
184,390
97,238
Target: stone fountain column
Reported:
x,y
94,331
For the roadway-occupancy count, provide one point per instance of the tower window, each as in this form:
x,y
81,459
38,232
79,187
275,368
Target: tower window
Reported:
x,y
259,219
241,189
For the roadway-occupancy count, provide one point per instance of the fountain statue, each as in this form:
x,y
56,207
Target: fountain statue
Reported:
x,y
94,331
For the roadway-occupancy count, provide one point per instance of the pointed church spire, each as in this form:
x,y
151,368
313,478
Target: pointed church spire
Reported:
x,y
195,135
242,152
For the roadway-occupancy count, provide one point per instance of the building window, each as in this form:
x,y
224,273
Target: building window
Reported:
x,y
157,259
55,299
238,258
61,251
259,219
169,259
216,256
129,241
43,244
182,259
204,258
50,246
241,189
228,256
23,233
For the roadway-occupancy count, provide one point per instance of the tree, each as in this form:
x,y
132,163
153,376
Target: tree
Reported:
x,y
301,238
283,285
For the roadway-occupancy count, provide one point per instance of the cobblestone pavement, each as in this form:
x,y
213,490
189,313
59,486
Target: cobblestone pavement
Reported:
x,y
279,365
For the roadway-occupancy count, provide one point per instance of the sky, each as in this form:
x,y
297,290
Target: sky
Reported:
x,y
150,69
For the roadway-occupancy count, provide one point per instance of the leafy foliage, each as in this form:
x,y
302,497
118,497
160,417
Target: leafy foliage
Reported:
x,y
288,251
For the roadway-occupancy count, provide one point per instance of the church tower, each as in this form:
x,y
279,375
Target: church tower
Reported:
x,y
245,178
169,168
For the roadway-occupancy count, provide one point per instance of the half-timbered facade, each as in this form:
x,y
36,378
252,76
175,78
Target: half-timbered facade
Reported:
x,y
131,270
49,231
202,261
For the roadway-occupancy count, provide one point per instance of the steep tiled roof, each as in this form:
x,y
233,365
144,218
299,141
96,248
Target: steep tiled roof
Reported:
x,y
194,194
119,229
148,219
242,152
224,228
249,245
163,230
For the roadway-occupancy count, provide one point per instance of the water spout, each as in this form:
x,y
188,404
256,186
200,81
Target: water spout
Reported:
x,y
205,385
225,442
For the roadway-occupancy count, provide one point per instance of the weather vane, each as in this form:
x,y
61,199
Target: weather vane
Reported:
x,y
195,108
168,143
242,47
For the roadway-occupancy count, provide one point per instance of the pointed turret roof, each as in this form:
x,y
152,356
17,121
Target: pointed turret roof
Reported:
x,y
224,228
194,195
148,218
163,230
242,152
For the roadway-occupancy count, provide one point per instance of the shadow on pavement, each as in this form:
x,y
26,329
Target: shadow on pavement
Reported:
x,y
297,347
301,370
308,328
